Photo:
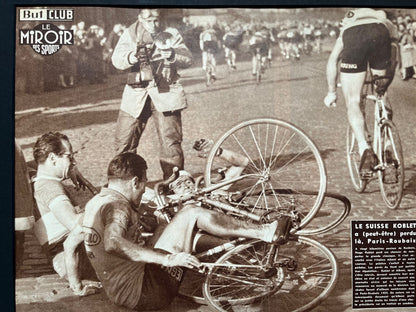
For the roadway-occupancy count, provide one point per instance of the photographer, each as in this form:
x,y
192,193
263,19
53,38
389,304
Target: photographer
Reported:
x,y
152,87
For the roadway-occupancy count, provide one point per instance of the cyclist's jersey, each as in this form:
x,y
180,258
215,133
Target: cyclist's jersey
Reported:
x,y
259,41
258,38
232,39
282,35
293,36
208,40
308,33
208,35
317,33
364,16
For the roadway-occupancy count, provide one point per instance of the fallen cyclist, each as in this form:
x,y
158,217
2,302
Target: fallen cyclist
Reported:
x,y
135,273
58,228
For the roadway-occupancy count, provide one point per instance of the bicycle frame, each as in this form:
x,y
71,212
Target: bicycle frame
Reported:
x,y
385,144
380,115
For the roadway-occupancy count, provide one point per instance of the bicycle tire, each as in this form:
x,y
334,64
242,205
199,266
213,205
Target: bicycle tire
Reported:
x,y
208,74
353,160
393,168
279,156
310,273
333,215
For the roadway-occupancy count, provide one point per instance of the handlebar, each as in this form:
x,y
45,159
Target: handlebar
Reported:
x,y
160,200
88,184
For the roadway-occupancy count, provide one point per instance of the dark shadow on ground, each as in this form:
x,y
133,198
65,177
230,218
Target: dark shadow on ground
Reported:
x,y
410,180
36,125
245,82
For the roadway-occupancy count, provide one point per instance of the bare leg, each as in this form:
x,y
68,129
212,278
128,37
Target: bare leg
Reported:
x,y
178,235
351,87
204,60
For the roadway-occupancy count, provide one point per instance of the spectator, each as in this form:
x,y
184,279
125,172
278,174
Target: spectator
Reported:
x,y
67,65
109,46
94,55
80,40
59,228
152,89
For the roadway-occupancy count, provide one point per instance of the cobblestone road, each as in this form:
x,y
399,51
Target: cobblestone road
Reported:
x,y
292,91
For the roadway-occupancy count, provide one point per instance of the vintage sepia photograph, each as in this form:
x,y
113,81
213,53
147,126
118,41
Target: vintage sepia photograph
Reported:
x,y
232,159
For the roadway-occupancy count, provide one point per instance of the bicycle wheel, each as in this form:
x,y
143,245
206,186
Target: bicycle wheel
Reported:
x,y
191,285
391,176
279,156
237,279
258,68
353,158
306,272
208,74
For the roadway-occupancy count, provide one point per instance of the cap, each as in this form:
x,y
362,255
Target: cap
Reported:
x,y
183,176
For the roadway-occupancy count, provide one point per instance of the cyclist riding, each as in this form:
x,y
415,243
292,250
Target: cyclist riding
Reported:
x,y
208,42
365,39
294,39
259,43
232,40
308,37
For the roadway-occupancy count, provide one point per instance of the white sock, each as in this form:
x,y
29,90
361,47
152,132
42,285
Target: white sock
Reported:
x,y
268,236
362,146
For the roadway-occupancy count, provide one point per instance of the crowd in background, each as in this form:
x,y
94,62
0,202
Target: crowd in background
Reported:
x,y
406,27
88,61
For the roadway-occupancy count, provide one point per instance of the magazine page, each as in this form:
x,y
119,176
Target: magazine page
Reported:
x,y
215,159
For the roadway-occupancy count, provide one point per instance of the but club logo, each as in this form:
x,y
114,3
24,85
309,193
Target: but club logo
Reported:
x,y
46,38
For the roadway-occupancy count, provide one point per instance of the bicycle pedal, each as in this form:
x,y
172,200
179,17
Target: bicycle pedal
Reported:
x,y
366,175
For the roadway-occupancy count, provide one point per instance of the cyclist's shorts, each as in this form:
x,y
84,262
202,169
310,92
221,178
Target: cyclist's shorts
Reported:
x,y
160,286
264,49
232,45
365,44
210,45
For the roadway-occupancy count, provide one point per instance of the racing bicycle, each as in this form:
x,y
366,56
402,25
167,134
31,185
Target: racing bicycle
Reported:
x,y
385,141
210,69
294,275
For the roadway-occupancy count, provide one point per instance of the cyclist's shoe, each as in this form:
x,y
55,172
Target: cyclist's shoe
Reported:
x,y
253,74
367,163
233,67
212,79
390,174
203,147
279,230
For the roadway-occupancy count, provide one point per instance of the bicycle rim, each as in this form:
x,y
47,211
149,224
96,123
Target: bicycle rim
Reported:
x,y
280,156
353,158
310,273
237,280
391,177
208,73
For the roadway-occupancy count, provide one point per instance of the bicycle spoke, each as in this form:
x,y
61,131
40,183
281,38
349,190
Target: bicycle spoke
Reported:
x,y
279,156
